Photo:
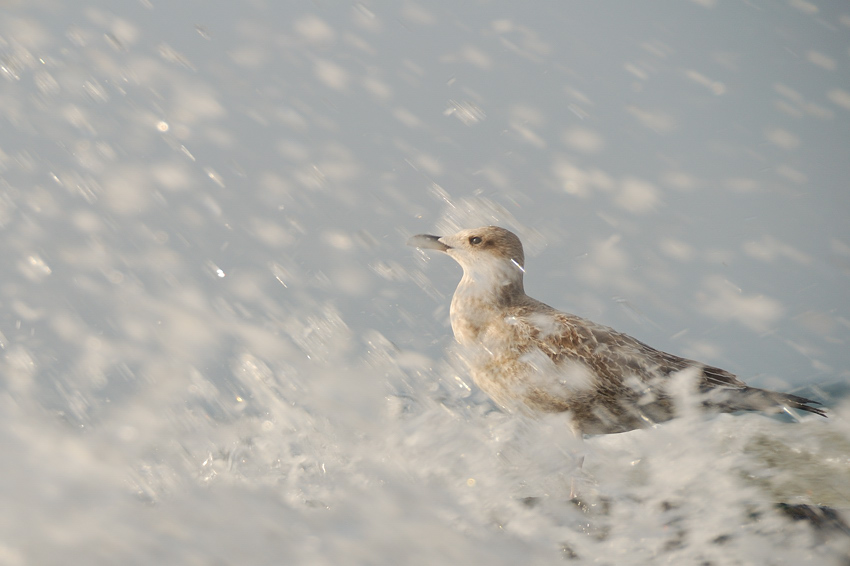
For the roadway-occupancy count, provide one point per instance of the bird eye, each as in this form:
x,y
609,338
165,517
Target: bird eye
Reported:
x,y
475,240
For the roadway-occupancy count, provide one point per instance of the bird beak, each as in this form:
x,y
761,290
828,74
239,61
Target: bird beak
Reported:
x,y
427,242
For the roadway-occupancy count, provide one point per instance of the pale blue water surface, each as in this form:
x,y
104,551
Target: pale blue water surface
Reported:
x,y
216,349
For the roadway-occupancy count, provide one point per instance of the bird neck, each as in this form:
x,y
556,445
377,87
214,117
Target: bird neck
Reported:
x,y
481,296
499,293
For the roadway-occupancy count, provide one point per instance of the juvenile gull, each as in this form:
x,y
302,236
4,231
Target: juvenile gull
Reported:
x,y
529,356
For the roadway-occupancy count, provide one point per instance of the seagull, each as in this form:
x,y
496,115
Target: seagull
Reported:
x,y
530,357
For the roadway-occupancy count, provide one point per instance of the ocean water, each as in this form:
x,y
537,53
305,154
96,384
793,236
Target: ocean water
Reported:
x,y
215,347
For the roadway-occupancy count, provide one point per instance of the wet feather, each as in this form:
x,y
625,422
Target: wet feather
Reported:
x,y
529,356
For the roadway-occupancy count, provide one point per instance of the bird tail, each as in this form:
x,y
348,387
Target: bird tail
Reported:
x,y
730,400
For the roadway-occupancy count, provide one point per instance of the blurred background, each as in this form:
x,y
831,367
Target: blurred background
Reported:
x,y
215,347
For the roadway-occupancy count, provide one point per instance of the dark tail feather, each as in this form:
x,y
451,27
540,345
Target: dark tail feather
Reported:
x,y
729,400
802,404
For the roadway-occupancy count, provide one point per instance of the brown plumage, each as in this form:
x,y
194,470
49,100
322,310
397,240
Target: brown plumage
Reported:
x,y
528,355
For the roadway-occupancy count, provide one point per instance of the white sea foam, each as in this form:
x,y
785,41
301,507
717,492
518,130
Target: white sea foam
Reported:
x,y
306,408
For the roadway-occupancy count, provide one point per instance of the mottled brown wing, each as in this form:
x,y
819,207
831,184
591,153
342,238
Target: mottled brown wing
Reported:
x,y
711,376
617,360
614,356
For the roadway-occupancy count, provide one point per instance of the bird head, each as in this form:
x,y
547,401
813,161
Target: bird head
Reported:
x,y
488,253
